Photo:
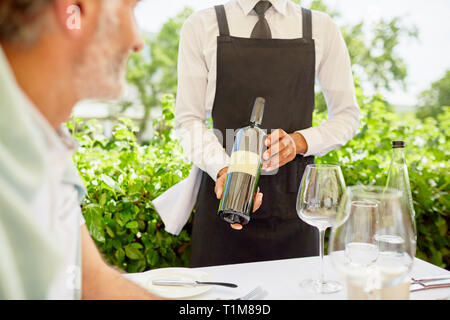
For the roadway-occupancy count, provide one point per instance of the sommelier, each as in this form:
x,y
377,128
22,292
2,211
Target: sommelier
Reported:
x,y
229,55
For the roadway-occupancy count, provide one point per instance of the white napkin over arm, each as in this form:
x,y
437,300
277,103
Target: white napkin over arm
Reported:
x,y
175,205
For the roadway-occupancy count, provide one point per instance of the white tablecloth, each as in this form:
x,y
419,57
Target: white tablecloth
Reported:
x,y
281,279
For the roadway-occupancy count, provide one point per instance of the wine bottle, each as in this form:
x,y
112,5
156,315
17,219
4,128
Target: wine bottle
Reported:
x,y
398,178
244,170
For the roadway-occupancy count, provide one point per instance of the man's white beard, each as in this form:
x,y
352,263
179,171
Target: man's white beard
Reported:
x,y
100,71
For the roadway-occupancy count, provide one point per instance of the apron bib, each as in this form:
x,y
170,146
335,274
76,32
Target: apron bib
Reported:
x,y
282,72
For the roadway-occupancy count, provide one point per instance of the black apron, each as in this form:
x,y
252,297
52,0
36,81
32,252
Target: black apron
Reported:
x,y
283,72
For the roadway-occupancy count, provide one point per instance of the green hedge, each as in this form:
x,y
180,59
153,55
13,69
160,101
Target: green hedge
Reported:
x,y
123,177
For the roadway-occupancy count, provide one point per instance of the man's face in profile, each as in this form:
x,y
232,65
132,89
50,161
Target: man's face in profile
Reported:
x,y
100,66
65,51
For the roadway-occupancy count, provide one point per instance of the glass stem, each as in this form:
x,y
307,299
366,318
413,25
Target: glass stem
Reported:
x,y
321,245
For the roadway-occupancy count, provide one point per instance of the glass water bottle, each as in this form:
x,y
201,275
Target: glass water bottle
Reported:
x,y
398,178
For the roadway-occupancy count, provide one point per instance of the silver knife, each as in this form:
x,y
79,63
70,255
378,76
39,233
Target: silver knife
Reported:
x,y
169,282
432,286
413,280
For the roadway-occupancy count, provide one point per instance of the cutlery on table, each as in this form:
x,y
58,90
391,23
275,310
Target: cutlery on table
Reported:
x,y
258,295
431,286
425,286
422,281
255,294
191,283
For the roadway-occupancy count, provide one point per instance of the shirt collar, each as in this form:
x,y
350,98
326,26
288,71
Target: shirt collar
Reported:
x,y
248,5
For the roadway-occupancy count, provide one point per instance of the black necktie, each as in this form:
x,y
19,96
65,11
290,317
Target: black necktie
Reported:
x,y
262,29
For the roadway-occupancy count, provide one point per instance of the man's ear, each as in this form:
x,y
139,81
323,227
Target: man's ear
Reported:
x,y
75,17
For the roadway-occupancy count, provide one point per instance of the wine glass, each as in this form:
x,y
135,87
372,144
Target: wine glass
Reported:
x,y
371,243
318,199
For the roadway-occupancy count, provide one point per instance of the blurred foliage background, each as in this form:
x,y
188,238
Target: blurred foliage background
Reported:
x,y
124,172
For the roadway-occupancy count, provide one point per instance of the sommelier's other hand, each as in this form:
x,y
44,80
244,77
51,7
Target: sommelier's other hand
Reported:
x,y
220,185
282,148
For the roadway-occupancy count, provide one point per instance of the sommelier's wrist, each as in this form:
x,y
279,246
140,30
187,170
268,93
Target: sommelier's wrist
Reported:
x,y
214,167
301,146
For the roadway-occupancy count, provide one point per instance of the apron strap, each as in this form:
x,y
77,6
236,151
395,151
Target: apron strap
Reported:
x,y
222,20
307,24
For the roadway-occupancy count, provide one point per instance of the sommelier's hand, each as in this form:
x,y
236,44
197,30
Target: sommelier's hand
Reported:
x,y
282,148
220,185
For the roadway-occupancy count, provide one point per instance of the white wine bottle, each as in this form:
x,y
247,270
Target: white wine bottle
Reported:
x,y
244,171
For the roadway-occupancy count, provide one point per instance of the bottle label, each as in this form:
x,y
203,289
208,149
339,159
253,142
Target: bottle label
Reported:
x,y
244,161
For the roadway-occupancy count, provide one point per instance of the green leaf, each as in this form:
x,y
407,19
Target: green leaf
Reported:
x,y
94,222
136,245
120,255
152,257
110,232
132,225
103,199
133,253
136,266
108,181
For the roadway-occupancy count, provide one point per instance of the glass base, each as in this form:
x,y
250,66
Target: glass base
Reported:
x,y
317,286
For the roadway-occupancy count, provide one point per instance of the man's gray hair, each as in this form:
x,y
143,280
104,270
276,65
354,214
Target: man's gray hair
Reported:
x,y
20,20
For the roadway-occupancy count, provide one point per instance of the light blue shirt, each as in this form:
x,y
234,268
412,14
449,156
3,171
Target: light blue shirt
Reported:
x,y
31,255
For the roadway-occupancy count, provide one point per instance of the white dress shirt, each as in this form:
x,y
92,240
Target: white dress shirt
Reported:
x,y
197,78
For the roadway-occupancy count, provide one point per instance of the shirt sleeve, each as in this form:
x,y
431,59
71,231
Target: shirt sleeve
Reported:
x,y
201,144
335,77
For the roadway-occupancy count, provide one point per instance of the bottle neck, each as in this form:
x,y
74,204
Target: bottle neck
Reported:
x,y
398,155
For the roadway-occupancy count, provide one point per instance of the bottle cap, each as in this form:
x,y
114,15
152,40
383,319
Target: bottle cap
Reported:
x,y
398,144
258,111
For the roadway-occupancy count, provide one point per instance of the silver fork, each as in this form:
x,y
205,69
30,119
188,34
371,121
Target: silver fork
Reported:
x,y
257,293
254,294
261,295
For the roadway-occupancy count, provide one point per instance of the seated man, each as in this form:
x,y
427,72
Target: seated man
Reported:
x,y
53,54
